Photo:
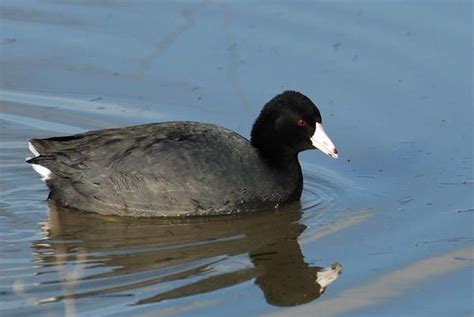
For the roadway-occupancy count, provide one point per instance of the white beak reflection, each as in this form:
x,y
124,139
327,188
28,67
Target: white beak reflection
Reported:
x,y
322,142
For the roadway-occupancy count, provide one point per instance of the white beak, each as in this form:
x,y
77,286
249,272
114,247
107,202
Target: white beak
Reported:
x,y
322,142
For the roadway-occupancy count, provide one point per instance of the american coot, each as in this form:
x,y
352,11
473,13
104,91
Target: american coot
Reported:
x,y
185,168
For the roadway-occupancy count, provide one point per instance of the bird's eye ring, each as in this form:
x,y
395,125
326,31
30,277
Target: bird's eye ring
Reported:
x,y
301,122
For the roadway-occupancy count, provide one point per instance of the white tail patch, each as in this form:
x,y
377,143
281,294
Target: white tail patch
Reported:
x,y
43,171
32,149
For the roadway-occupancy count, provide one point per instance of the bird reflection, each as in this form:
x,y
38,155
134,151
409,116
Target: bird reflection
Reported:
x,y
160,253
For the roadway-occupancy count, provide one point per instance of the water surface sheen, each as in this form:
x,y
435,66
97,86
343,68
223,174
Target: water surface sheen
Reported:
x,y
394,86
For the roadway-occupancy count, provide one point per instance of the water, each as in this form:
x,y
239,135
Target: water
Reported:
x,y
394,83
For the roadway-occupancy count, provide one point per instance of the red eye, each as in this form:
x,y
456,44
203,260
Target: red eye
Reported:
x,y
301,122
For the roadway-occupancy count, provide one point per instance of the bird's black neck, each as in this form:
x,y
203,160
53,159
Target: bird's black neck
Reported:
x,y
268,143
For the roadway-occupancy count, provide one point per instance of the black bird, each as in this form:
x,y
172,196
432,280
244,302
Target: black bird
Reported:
x,y
185,168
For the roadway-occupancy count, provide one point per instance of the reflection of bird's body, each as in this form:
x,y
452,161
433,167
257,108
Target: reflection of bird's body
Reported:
x,y
184,168
167,250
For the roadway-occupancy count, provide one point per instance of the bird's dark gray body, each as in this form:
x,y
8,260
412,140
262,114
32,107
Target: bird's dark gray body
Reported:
x,y
164,169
